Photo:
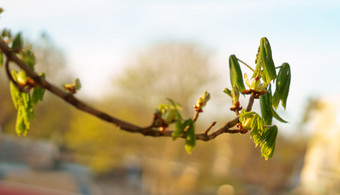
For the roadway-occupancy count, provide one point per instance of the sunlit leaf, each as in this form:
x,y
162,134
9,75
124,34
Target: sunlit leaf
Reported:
x,y
22,126
236,77
257,129
269,143
25,113
190,140
264,59
15,93
282,86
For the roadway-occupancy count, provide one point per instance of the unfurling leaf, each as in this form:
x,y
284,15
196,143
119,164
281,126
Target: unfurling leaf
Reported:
x,y
73,87
202,101
269,142
282,86
236,77
264,59
190,139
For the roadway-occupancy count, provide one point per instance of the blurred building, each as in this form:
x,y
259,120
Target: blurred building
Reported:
x,y
321,171
34,168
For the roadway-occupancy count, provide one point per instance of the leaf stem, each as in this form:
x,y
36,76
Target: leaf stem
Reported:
x,y
246,65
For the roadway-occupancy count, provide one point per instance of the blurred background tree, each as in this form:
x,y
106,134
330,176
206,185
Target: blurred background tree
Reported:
x,y
178,70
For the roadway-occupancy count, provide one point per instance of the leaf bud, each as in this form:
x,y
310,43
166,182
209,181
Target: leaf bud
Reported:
x,y
202,101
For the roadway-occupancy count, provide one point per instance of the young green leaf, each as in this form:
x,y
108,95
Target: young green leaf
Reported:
x,y
282,86
269,143
264,59
257,129
236,77
190,140
17,44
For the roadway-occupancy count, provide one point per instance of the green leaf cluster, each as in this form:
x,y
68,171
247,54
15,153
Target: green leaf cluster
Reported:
x,y
170,114
265,137
187,129
24,98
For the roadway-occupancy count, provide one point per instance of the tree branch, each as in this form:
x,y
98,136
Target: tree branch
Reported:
x,y
126,126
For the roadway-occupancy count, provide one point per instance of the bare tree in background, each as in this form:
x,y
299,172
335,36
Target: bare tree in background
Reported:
x,y
175,70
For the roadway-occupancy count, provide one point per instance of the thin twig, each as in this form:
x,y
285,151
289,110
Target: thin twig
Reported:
x,y
251,102
197,112
207,130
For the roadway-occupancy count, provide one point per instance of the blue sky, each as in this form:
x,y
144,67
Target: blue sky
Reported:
x,y
99,37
